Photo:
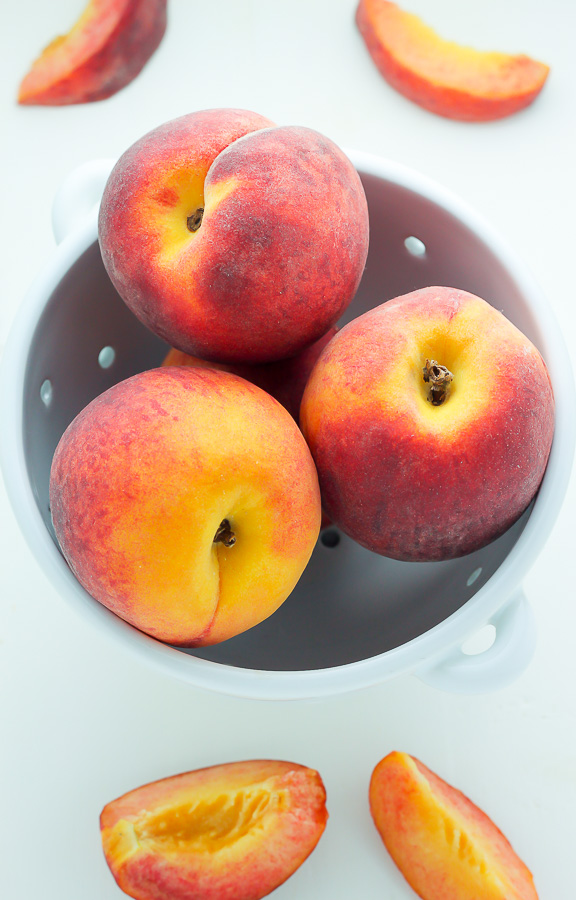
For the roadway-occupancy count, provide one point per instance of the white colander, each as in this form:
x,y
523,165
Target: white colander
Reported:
x,y
355,618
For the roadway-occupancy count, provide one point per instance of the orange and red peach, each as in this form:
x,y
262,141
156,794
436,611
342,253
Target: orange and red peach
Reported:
x,y
285,379
234,240
442,76
444,845
104,51
430,420
186,501
237,830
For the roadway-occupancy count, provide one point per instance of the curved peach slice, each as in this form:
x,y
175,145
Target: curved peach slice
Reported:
x,y
236,830
441,76
446,848
105,50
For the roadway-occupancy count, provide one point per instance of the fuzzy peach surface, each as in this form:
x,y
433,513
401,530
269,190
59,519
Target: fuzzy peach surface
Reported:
x,y
104,51
444,77
285,380
230,832
144,477
277,250
444,845
415,481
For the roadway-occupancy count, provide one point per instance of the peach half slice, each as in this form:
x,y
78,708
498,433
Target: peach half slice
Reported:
x,y
104,51
230,831
446,848
442,76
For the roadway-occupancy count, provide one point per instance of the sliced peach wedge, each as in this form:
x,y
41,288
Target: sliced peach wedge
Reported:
x,y
236,830
104,51
442,76
446,848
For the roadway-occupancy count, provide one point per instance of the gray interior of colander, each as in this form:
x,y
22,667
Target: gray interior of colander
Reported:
x,y
350,604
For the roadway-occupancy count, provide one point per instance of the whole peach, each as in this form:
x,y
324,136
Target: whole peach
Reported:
x,y
186,501
234,240
430,419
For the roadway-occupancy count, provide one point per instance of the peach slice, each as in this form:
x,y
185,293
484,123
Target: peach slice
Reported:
x,y
446,848
104,51
236,830
444,77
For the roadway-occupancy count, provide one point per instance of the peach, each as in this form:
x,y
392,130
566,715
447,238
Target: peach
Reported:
x,y
430,419
230,831
104,51
233,240
445,847
285,380
441,76
186,501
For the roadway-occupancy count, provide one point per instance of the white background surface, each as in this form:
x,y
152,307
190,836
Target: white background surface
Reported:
x,y
80,722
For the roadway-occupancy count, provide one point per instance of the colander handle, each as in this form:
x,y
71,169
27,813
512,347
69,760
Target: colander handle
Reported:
x,y
512,650
78,197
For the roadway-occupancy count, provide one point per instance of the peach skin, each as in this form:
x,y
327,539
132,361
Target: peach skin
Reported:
x,y
104,51
430,420
186,501
285,380
444,77
233,240
237,830
445,847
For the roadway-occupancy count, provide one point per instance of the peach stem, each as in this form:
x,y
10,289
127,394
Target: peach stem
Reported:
x,y
224,534
439,378
194,220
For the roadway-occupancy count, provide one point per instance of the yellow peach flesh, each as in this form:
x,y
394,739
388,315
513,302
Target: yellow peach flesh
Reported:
x,y
68,51
235,830
207,823
451,834
445,846
417,47
102,53
183,194
443,76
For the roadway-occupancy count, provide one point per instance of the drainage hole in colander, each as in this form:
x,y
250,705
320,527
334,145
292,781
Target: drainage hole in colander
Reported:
x,y
330,538
474,576
480,642
415,246
106,357
46,392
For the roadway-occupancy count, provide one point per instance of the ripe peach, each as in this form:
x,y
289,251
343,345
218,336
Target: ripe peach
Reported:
x,y
186,501
233,240
444,77
285,380
445,847
237,830
404,473
104,51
